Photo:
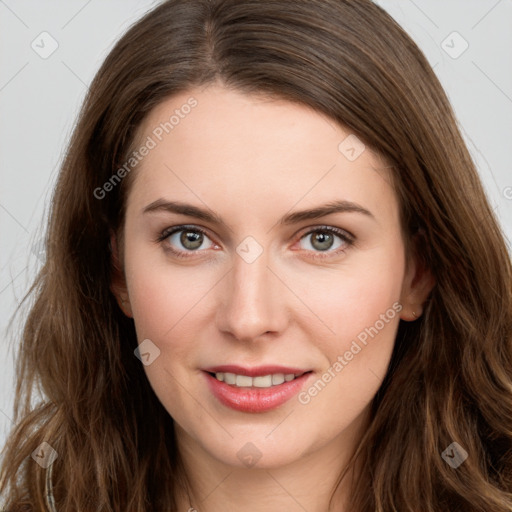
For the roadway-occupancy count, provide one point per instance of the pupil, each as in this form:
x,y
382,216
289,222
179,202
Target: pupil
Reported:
x,y
325,240
191,239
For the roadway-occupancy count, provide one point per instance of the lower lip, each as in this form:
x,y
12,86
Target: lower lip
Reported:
x,y
255,399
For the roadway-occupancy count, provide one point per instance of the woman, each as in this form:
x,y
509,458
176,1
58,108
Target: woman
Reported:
x,y
273,280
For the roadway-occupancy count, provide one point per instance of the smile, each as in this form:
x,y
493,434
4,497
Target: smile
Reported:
x,y
268,389
244,381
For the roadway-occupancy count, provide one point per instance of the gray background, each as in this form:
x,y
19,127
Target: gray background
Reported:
x,y
40,98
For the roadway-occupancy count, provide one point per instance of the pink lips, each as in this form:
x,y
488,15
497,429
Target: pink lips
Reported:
x,y
254,372
252,399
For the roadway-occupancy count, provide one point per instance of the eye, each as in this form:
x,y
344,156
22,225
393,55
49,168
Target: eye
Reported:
x,y
183,239
323,240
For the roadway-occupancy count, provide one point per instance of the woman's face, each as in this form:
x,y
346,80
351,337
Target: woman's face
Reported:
x,y
259,281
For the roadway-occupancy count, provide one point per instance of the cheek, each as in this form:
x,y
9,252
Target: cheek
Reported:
x,y
359,313
163,296
353,298
166,309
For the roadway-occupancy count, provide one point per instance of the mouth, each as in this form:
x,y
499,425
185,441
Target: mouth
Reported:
x,y
266,389
261,381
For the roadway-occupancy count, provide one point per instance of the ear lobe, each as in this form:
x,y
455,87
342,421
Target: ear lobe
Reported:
x,y
118,282
417,285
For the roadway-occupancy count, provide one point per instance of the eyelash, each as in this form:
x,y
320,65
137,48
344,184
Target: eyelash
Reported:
x,y
346,237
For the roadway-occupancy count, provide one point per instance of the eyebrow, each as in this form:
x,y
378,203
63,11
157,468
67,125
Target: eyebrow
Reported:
x,y
206,215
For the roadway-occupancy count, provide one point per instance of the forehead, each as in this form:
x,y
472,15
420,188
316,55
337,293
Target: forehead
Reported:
x,y
256,149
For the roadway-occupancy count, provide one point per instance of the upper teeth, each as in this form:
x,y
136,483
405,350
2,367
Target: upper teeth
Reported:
x,y
264,381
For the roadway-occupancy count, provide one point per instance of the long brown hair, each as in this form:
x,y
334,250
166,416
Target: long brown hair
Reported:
x,y
450,377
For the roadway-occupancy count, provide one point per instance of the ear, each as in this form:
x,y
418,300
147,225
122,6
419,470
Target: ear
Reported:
x,y
418,283
118,281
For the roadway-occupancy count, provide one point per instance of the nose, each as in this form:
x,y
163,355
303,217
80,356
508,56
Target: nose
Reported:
x,y
251,300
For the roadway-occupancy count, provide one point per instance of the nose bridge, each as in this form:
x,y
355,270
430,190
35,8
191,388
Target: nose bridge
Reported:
x,y
250,308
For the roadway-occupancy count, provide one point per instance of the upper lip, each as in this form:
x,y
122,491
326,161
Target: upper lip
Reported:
x,y
255,371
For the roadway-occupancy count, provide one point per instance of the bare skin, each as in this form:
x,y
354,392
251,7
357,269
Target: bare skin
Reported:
x,y
301,303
